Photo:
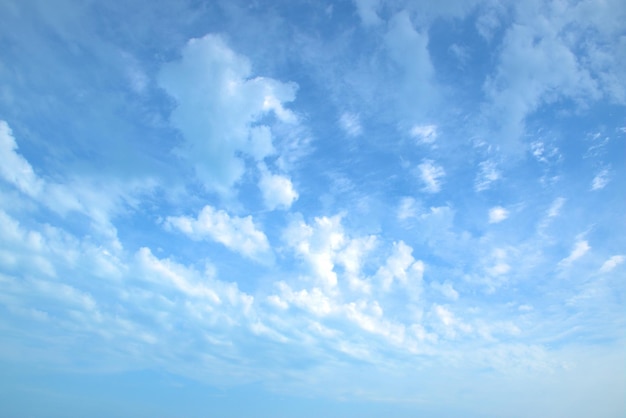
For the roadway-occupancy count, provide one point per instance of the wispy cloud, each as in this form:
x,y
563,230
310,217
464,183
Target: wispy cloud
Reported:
x,y
351,124
424,134
580,249
600,180
487,174
431,175
611,263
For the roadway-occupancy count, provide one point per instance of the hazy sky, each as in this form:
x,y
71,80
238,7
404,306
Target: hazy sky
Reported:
x,y
290,208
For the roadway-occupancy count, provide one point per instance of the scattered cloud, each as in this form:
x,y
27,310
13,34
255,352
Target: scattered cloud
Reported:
x,y
14,168
401,267
487,174
446,289
408,208
600,180
217,102
497,214
368,11
611,263
277,191
424,134
351,124
580,249
431,175
206,241
238,234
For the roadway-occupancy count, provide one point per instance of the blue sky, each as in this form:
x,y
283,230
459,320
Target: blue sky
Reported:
x,y
294,209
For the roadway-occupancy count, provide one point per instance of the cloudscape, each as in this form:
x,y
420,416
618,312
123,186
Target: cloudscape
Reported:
x,y
348,208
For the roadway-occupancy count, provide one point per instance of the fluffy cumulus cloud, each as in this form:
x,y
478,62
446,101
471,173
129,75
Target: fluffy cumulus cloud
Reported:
x,y
438,205
278,191
238,234
402,268
218,104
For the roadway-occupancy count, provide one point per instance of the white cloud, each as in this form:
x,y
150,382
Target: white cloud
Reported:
x,y
13,167
600,180
446,289
611,263
97,199
235,233
367,10
487,174
579,250
450,325
352,257
351,124
555,208
261,142
538,65
313,300
369,317
318,244
407,209
277,191
431,175
408,50
168,272
424,134
218,100
401,267
497,214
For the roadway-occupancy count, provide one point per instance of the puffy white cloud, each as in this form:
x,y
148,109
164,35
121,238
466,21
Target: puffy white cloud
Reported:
x,y
580,249
218,101
600,180
351,124
13,167
497,214
402,267
352,256
612,262
314,300
431,175
235,233
277,191
318,244
424,134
